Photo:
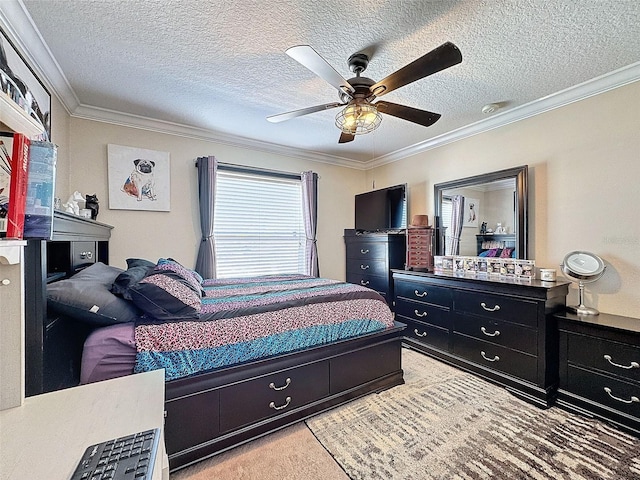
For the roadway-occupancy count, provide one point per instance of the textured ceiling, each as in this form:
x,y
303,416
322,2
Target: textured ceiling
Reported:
x,y
220,66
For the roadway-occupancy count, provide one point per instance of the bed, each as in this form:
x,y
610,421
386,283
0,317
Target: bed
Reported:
x,y
242,357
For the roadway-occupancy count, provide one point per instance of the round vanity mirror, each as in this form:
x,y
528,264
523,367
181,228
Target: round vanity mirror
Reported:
x,y
583,267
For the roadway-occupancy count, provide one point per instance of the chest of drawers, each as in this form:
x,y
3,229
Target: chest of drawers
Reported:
x,y
370,258
501,330
600,367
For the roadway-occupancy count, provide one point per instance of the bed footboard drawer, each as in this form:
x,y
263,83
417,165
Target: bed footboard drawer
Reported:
x,y
183,429
353,369
257,399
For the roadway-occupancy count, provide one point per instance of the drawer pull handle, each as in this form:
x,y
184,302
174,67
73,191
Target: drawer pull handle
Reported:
x,y
494,309
286,384
494,334
418,314
364,267
287,401
626,367
418,294
364,283
88,255
363,251
423,334
494,359
632,400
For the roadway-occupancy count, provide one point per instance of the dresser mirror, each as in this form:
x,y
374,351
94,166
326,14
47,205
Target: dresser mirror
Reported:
x,y
495,213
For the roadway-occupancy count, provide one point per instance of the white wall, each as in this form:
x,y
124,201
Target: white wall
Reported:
x,y
584,176
176,233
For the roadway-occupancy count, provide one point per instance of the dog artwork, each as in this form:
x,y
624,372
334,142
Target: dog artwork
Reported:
x,y
141,183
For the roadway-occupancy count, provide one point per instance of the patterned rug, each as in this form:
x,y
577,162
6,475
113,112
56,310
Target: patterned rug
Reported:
x,y
448,424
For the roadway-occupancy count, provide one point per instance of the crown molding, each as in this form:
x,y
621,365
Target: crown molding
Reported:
x,y
590,88
14,17
97,114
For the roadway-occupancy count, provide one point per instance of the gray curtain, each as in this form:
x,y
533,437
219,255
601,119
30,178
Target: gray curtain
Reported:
x,y
310,213
457,219
207,169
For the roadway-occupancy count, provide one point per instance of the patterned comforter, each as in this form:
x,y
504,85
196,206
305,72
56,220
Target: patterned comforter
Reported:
x,y
251,318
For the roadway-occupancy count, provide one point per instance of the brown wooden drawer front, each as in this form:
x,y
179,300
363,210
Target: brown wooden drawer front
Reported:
x,y
423,312
423,292
183,429
620,359
364,365
428,334
374,282
83,253
507,334
500,307
367,250
619,395
264,397
496,357
368,267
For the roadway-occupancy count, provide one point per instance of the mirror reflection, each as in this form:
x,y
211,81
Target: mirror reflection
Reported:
x,y
484,215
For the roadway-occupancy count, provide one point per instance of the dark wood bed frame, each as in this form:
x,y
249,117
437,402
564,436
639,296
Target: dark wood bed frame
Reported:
x,y
210,412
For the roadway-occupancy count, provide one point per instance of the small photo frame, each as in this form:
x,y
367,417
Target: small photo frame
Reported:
x,y
139,179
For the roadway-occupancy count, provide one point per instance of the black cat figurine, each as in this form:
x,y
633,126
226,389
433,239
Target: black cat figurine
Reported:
x,y
92,204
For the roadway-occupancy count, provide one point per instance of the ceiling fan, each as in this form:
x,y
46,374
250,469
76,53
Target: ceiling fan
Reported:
x,y
357,94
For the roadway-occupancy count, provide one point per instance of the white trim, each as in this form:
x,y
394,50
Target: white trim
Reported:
x,y
14,17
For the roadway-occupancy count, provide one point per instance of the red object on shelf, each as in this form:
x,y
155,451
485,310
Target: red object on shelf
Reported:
x,y
18,186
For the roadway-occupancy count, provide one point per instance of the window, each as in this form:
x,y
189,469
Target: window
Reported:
x,y
258,223
447,212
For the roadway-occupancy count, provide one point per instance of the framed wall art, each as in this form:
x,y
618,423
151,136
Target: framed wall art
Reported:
x,y
471,211
20,83
139,179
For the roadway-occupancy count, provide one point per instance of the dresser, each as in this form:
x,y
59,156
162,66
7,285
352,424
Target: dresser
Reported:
x,y
420,245
600,367
76,243
370,258
502,330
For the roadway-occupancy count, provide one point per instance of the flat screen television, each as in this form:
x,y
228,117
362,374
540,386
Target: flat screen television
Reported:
x,y
380,210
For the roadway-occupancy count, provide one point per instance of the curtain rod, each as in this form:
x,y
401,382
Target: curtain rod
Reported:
x,y
248,169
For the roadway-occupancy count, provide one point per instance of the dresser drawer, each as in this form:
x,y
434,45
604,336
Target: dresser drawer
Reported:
x,y
254,400
517,310
367,250
605,390
365,365
423,292
370,266
82,253
496,357
612,357
428,334
374,282
423,312
183,429
503,333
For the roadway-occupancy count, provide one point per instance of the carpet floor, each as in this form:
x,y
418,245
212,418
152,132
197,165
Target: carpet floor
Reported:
x,y
442,424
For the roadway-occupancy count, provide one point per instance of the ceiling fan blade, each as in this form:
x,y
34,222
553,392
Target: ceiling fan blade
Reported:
x,y
445,56
421,117
311,59
281,117
346,137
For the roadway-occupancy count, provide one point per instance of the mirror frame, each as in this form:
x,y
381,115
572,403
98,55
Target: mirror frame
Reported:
x,y
520,175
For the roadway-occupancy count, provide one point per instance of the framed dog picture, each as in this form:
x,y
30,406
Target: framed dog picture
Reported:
x,y
139,179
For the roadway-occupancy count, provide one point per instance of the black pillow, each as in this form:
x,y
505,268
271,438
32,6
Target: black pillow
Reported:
x,y
139,262
128,278
86,297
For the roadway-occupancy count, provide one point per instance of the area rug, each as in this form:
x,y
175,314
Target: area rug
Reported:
x,y
448,424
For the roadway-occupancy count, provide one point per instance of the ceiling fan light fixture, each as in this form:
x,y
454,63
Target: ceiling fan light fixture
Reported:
x,y
359,117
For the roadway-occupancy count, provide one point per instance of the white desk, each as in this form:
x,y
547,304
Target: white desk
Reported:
x,y
45,437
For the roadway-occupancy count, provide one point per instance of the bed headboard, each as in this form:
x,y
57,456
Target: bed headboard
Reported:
x,y
52,342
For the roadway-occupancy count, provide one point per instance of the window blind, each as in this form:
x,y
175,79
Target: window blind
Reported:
x,y
447,210
258,224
